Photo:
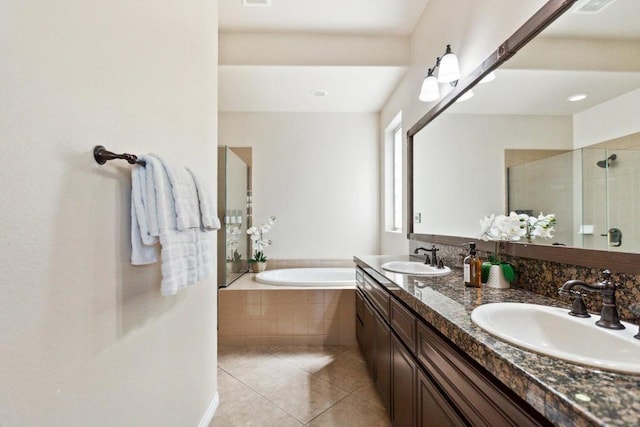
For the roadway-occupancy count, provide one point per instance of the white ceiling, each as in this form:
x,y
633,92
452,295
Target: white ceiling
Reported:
x,y
619,20
286,88
289,89
356,17
545,92
533,87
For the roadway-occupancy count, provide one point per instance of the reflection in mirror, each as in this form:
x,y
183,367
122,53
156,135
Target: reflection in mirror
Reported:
x,y
234,210
460,159
592,191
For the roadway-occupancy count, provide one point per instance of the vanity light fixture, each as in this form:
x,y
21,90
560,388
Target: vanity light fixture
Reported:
x,y
448,72
448,67
577,97
430,91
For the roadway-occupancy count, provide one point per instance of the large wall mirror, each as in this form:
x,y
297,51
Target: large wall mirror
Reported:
x,y
235,212
520,144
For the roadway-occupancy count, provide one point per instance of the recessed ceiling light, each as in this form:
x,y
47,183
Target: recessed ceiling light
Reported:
x,y
256,2
319,93
577,97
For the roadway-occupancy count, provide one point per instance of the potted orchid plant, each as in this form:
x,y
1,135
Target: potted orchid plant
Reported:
x,y
234,259
502,228
259,261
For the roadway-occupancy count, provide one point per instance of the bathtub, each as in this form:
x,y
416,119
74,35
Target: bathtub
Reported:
x,y
316,277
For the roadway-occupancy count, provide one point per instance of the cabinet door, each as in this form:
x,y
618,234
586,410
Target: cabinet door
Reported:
x,y
383,361
368,337
433,408
403,386
359,320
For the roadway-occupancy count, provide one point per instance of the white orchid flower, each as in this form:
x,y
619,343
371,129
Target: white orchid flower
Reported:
x,y
485,226
259,243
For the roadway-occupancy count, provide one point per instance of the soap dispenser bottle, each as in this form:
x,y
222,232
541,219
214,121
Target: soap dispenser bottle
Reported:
x,y
472,268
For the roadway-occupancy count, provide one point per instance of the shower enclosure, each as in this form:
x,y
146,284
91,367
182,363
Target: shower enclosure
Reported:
x,y
594,192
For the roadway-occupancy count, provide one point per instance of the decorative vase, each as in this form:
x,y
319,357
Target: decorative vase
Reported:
x,y
236,266
496,278
257,267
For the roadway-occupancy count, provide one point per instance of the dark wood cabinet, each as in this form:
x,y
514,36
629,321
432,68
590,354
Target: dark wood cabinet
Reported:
x,y
479,397
382,363
365,331
433,409
403,323
403,385
374,338
423,378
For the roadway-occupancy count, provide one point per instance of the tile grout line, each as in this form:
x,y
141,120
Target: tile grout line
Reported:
x,y
348,395
265,398
279,354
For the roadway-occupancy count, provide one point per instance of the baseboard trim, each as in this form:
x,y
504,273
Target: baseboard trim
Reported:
x,y
210,412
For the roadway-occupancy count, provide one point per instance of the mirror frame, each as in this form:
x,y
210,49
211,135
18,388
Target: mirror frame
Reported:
x,y
617,261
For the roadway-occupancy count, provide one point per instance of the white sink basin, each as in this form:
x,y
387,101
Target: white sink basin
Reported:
x,y
553,332
415,268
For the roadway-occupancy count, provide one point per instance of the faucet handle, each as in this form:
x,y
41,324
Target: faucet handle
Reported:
x,y
578,308
606,280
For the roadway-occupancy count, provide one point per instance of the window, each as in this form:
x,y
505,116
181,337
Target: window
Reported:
x,y
393,175
397,179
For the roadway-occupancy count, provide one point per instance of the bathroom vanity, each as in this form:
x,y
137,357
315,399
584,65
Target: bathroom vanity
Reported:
x,y
432,366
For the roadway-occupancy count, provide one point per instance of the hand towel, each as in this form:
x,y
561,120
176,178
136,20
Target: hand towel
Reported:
x,y
186,254
143,249
205,200
185,197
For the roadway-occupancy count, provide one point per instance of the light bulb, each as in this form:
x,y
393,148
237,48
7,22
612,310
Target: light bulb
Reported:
x,y
489,77
465,96
449,69
429,90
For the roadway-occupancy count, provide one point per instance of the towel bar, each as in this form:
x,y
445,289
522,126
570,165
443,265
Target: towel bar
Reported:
x,y
102,156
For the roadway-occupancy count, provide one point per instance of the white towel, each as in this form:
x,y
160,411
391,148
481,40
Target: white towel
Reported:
x,y
207,208
143,249
184,193
187,254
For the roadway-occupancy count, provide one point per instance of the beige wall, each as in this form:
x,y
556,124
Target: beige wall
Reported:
x,y
86,339
318,174
474,30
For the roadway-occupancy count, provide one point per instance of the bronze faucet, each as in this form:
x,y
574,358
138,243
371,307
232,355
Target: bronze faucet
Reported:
x,y
427,260
434,257
433,260
609,317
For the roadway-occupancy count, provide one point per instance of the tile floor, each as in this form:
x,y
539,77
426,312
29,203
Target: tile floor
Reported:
x,y
296,386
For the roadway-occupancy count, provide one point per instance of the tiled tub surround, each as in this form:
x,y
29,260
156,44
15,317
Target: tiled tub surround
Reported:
x,y
565,393
252,313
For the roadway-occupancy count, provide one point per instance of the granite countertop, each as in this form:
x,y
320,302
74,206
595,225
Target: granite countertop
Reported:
x,y
565,393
